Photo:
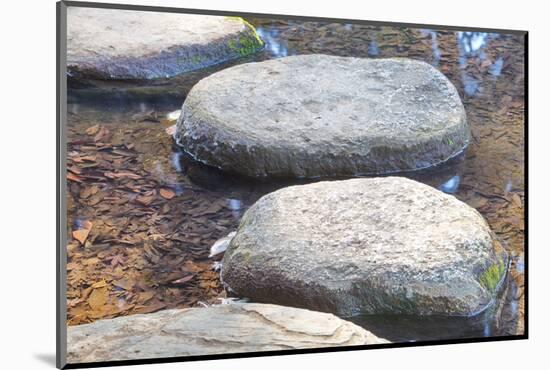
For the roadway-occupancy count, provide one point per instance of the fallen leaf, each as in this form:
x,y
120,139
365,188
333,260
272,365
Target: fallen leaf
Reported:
x,y
146,200
116,260
88,158
183,280
75,170
103,133
92,130
124,284
82,234
171,130
151,308
99,284
486,63
145,296
123,174
98,298
88,191
167,193
517,200
91,261
73,177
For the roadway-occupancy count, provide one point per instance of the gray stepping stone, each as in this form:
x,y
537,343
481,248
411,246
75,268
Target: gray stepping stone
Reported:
x,y
320,115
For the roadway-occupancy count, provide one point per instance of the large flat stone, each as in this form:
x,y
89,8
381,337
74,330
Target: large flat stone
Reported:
x,y
374,246
131,44
233,328
320,115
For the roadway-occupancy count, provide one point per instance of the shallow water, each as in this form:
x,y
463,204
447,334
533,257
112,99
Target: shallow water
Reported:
x,y
157,237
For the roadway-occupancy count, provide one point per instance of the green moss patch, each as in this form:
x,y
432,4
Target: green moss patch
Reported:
x,y
248,43
492,276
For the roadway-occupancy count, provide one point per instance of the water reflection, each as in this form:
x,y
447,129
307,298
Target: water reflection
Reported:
x,y
273,44
236,207
373,49
176,160
173,116
471,84
472,42
436,53
496,67
450,186
472,45
404,328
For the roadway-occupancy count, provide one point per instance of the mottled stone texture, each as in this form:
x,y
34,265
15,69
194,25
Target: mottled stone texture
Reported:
x,y
320,115
131,44
382,245
234,328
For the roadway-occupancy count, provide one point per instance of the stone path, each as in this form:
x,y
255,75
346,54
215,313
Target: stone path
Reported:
x,y
375,246
320,115
131,44
232,328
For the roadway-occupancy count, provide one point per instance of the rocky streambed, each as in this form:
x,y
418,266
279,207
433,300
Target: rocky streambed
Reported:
x,y
398,257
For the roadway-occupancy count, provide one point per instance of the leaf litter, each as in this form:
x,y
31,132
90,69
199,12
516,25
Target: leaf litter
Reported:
x,y
135,243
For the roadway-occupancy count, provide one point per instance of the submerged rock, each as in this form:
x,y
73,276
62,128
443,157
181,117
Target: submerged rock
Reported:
x,y
320,115
229,328
220,246
375,246
130,44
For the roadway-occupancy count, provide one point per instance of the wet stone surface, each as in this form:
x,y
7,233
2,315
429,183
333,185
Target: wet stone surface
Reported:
x,y
319,115
129,44
487,70
230,328
372,246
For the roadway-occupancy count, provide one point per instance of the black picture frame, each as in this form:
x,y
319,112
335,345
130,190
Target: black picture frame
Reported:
x,y
61,188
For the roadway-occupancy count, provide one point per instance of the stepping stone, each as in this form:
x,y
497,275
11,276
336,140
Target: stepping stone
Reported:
x,y
131,44
320,115
366,246
231,328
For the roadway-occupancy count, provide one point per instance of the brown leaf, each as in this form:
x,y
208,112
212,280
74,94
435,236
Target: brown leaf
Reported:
x,y
167,193
88,158
122,174
92,130
517,200
192,267
75,170
116,260
82,234
146,200
73,177
183,280
171,130
151,308
99,284
98,298
486,63
103,133
87,191
94,200
145,296
91,261
124,284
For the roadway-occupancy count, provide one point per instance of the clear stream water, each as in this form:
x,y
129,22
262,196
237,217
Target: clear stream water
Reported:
x,y
486,68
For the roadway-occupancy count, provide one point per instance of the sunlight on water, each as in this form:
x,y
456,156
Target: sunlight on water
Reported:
x,y
273,44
